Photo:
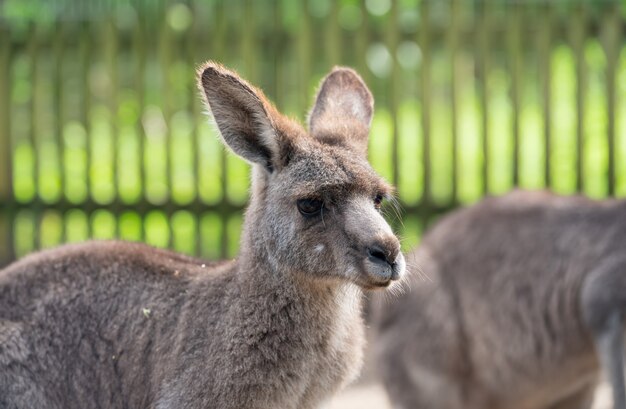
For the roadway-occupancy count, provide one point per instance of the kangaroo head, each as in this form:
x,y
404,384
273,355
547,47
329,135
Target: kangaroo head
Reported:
x,y
315,203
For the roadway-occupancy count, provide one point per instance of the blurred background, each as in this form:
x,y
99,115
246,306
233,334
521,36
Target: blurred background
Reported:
x,y
102,133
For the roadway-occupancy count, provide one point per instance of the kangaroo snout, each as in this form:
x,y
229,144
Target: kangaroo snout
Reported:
x,y
384,262
376,249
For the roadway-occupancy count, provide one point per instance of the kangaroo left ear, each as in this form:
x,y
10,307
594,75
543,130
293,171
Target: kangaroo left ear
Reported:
x,y
248,123
343,110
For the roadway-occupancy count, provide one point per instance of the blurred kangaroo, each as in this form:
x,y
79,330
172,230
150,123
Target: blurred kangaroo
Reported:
x,y
515,303
121,325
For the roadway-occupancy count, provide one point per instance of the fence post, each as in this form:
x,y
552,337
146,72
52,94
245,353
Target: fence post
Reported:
x,y
484,43
425,97
6,186
611,40
452,42
578,35
545,70
513,19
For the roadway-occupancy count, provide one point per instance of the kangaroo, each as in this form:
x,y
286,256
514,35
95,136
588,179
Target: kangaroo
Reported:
x,y
520,305
123,325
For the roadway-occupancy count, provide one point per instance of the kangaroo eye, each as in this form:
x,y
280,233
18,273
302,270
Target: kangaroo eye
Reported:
x,y
378,201
310,207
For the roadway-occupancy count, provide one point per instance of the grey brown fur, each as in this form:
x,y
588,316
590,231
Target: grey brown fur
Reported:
x,y
122,325
519,305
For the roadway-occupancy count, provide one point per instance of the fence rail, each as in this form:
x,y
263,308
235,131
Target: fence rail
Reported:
x,y
102,133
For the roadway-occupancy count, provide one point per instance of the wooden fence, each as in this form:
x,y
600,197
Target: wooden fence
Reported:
x,y
102,132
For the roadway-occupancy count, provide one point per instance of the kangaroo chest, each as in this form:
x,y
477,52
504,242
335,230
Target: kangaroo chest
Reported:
x,y
338,359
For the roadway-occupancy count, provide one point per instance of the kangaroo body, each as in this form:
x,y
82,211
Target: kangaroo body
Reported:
x,y
123,325
138,343
519,302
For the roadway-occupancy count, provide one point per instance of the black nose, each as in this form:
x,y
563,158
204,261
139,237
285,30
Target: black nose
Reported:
x,y
377,254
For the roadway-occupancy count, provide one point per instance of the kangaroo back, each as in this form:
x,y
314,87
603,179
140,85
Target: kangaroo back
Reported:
x,y
497,316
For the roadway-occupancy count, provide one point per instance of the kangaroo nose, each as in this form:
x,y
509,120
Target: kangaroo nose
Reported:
x,y
381,254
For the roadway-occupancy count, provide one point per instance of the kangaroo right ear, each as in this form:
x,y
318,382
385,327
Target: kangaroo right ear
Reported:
x,y
244,117
343,110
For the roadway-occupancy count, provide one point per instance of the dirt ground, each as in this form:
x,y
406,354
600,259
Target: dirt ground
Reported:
x,y
372,396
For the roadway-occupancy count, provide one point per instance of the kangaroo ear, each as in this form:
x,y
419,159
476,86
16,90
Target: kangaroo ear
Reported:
x,y
343,110
246,120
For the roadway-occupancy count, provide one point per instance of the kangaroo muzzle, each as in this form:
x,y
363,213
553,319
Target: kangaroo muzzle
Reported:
x,y
384,263
381,258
